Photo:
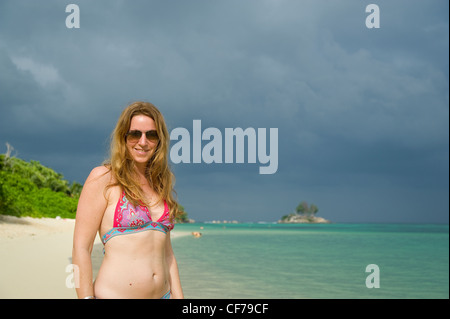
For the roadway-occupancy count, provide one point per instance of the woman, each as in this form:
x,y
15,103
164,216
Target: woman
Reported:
x,y
129,201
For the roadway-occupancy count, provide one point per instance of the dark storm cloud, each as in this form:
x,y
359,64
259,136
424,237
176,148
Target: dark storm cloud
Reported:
x,y
362,113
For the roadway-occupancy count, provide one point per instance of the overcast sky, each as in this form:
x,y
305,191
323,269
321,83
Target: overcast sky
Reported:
x,y
362,114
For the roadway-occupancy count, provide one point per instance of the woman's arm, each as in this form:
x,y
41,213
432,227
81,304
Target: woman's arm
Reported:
x,y
91,206
174,276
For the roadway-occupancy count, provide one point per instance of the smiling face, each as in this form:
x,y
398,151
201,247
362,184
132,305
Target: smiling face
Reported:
x,y
141,150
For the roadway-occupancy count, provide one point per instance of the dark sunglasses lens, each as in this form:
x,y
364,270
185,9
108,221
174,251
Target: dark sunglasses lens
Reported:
x,y
134,135
152,135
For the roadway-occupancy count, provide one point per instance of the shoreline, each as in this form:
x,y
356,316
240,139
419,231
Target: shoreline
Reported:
x,y
36,254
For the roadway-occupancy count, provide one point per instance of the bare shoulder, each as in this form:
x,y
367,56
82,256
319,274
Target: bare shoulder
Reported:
x,y
101,182
93,192
100,175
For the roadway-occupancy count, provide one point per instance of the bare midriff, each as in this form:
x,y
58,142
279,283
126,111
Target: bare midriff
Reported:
x,y
134,266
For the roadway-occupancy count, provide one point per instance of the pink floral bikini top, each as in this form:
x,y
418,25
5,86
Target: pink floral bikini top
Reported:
x,y
130,219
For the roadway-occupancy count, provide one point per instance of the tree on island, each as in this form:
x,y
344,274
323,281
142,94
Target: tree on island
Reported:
x,y
304,210
303,213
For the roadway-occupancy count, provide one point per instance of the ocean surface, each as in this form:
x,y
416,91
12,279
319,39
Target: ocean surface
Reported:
x,y
293,261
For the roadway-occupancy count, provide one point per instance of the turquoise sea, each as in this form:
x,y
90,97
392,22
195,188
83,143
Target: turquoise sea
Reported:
x,y
292,261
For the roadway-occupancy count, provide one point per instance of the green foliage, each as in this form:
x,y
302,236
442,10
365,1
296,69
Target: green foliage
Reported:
x,y
183,216
313,209
31,189
303,210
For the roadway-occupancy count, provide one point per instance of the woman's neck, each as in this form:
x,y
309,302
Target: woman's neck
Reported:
x,y
141,173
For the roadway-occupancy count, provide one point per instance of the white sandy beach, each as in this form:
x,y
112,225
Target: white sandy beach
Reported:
x,y
34,256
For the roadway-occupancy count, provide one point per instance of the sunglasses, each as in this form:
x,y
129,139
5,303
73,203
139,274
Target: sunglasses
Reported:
x,y
135,135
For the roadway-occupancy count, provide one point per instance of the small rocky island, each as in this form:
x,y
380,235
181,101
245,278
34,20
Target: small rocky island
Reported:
x,y
304,214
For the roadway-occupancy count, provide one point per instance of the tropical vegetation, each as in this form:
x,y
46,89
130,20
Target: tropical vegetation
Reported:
x,y
303,213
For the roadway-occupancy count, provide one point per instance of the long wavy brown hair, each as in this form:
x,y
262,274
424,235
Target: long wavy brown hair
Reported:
x,y
158,172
